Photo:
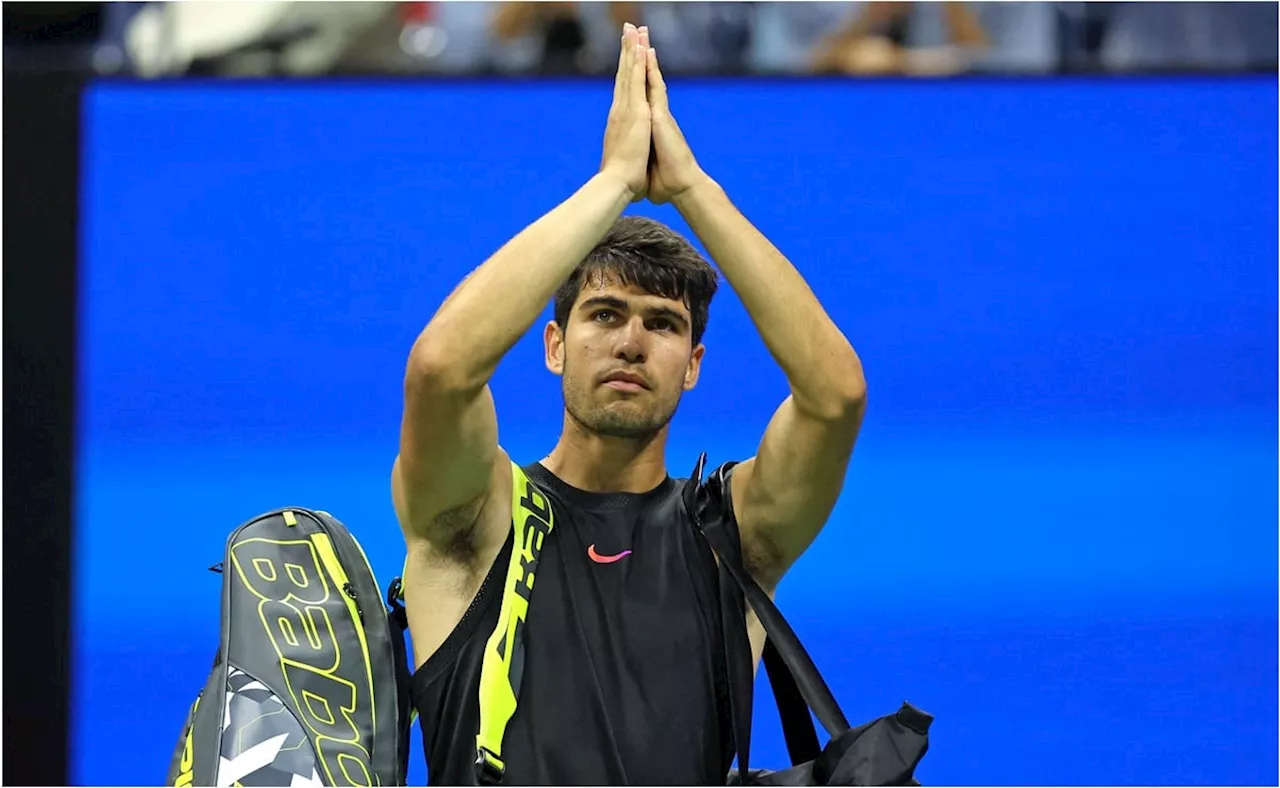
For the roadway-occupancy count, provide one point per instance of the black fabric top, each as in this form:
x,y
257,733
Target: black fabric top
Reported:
x,y
624,679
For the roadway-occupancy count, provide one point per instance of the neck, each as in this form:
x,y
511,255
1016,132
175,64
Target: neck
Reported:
x,y
601,463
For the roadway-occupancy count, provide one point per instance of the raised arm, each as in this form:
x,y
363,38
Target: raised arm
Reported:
x,y
449,454
782,496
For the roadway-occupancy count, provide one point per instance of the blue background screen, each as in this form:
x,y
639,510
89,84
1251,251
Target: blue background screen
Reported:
x,y
1058,533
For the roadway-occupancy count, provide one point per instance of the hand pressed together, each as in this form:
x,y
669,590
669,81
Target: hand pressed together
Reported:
x,y
640,119
627,133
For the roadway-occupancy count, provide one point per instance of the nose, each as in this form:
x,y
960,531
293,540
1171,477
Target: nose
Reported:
x,y
630,342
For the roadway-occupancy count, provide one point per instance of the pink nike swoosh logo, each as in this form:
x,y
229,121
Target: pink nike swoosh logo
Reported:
x,y
605,559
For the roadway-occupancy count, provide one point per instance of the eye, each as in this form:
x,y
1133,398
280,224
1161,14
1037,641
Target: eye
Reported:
x,y
604,315
664,323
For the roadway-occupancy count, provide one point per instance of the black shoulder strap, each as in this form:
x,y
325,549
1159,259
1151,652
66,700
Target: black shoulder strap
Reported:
x,y
737,653
737,645
399,622
794,678
797,725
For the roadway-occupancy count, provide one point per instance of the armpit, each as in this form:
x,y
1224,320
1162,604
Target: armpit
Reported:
x,y
760,556
456,528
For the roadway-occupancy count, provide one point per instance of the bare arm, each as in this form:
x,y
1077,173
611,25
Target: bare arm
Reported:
x,y
449,437
783,495
821,367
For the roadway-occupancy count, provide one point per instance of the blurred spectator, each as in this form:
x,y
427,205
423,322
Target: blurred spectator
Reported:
x,y
582,37
557,28
882,39
701,37
246,38
567,35
850,37
785,35
1193,36
921,38
1021,37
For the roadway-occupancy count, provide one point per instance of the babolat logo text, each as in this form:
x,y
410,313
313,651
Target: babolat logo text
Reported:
x,y
297,599
537,524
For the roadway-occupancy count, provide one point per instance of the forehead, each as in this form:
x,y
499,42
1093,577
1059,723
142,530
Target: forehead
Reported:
x,y
636,297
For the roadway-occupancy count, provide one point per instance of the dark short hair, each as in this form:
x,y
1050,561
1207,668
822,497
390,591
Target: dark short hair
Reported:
x,y
649,255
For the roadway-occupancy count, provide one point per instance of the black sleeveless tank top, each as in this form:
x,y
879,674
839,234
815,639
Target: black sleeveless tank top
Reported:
x,y
624,677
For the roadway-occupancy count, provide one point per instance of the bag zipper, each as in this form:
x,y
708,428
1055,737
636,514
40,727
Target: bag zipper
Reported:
x,y
350,591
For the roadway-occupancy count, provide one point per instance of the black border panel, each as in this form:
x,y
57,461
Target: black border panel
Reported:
x,y
41,204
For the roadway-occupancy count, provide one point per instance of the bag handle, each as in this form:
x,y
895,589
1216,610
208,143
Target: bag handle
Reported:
x,y
797,685
812,688
791,653
797,726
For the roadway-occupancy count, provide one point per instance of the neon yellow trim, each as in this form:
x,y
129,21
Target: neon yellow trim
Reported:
x,y
186,766
497,696
330,560
290,518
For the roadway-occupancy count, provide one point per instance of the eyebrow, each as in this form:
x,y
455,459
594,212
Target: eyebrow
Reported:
x,y
614,302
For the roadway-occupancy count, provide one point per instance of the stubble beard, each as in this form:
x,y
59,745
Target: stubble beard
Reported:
x,y
620,418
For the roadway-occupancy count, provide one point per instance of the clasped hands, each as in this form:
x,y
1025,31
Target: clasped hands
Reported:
x,y
643,145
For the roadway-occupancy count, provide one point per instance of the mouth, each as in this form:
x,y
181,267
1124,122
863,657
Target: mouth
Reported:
x,y
625,381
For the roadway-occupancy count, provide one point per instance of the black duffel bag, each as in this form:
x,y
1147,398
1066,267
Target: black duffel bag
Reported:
x,y
884,751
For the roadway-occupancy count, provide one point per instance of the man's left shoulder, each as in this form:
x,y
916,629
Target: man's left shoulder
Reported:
x,y
706,496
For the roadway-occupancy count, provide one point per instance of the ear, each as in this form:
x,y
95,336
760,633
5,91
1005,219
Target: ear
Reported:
x,y
553,342
695,367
